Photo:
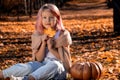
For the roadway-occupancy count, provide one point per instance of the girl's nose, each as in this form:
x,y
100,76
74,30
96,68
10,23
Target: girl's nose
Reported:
x,y
48,19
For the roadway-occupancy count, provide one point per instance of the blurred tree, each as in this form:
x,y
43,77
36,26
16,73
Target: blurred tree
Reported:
x,y
116,15
30,8
37,4
109,3
25,3
18,7
8,6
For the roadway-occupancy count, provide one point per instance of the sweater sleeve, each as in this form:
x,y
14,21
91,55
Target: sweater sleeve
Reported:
x,y
36,42
63,43
64,39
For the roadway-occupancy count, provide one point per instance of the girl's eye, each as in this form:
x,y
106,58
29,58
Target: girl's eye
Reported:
x,y
44,17
51,18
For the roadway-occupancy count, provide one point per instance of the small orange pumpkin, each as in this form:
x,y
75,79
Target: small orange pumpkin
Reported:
x,y
86,70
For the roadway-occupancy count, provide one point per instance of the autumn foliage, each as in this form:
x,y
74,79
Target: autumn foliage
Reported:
x,y
50,32
92,35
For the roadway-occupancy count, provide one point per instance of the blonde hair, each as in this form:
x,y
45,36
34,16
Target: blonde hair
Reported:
x,y
56,13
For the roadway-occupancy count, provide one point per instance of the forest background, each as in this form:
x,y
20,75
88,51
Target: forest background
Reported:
x,y
90,23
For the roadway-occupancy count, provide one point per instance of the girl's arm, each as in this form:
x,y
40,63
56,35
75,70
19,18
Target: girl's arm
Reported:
x,y
63,44
40,54
36,42
52,49
64,39
65,56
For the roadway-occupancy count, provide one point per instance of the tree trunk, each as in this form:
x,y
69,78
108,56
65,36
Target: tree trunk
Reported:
x,y
116,15
30,13
25,3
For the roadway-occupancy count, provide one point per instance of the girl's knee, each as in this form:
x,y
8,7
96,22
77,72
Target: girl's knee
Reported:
x,y
56,65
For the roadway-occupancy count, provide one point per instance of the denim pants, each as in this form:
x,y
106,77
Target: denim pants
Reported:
x,y
39,70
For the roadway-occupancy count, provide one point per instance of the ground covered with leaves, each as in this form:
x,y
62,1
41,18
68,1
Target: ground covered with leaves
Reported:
x,y
91,28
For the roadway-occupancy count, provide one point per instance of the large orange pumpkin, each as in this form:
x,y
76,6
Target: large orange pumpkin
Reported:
x,y
86,70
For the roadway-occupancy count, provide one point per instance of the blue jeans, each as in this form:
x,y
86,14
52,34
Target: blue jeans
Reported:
x,y
39,70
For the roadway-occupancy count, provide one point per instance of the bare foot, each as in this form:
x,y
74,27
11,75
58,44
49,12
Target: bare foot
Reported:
x,y
7,78
31,78
1,75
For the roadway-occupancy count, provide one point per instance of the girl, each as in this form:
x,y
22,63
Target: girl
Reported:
x,y
51,54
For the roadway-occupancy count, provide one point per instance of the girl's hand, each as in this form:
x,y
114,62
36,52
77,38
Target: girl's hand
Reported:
x,y
50,43
44,38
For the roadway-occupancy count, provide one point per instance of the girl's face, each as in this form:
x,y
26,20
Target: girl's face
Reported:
x,y
48,19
